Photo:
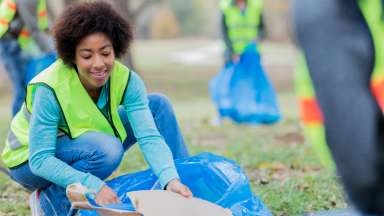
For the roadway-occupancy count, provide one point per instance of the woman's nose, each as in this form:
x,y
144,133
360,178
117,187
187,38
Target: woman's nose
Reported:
x,y
98,62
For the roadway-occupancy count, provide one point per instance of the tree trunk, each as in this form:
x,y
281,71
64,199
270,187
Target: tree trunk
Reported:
x,y
123,7
54,8
131,13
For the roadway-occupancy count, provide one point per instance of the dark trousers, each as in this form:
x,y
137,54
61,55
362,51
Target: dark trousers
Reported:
x,y
339,51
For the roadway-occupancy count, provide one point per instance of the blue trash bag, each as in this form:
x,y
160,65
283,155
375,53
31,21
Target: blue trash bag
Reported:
x,y
243,92
210,177
36,64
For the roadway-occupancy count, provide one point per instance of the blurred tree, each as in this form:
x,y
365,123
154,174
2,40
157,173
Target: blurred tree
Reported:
x,y
189,15
54,8
197,17
277,18
131,10
164,23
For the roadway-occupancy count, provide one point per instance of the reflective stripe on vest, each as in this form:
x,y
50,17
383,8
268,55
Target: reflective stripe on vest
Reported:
x,y
24,39
26,113
310,113
13,142
7,12
42,19
80,117
373,14
242,27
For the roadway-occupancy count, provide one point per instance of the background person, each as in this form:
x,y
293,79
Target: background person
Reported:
x,y
241,23
23,33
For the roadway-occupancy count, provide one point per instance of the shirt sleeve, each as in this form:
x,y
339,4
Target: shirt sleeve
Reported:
x,y
28,14
156,152
42,145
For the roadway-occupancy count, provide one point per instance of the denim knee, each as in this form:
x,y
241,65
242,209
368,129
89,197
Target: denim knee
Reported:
x,y
108,154
159,102
94,152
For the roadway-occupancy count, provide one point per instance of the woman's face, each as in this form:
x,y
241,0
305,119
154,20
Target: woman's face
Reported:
x,y
94,59
239,2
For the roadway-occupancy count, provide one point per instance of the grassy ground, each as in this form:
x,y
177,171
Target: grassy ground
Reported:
x,y
283,170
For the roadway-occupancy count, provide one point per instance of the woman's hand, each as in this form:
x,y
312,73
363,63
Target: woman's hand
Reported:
x,y
107,196
235,58
176,186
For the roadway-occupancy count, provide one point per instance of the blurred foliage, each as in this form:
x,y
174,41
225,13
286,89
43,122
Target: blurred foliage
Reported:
x,y
277,19
196,17
189,16
164,24
170,18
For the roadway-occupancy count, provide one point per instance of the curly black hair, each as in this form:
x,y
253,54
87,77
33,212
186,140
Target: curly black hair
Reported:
x,y
79,20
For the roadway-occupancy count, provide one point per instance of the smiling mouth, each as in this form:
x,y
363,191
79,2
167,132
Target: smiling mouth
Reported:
x,y
99,75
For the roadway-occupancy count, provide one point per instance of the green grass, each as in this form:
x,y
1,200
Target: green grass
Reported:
x,y
283,170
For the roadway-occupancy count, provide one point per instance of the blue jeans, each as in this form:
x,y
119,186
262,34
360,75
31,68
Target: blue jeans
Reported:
x,y
93,156
15,63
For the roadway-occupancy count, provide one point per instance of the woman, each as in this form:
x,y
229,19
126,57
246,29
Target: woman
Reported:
x,y
85,111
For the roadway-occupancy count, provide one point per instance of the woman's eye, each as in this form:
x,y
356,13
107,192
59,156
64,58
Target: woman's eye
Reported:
x,y
87,57
106,54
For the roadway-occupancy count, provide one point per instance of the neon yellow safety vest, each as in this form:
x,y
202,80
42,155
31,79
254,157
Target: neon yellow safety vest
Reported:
x,y
242,27
79,111
310,111
310,114
7,12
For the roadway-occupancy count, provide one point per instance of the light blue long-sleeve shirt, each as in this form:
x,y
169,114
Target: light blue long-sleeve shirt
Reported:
x,y
47,117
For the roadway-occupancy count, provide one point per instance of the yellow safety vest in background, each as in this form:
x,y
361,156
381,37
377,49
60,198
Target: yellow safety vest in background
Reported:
x,y
310,112
242,27
79,111
7,12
